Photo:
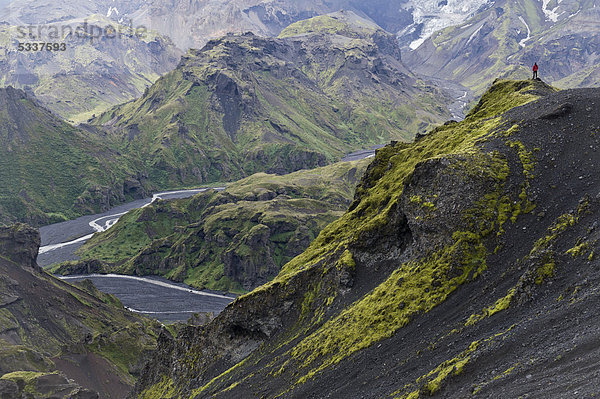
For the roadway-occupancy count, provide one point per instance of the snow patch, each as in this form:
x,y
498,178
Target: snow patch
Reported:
x,y
552,15
522,42
474,34
111,10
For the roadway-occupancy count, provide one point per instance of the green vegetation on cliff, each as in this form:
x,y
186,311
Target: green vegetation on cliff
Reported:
x,y
232,240
342,23
239,106
245,104
51,171
384,184
399,282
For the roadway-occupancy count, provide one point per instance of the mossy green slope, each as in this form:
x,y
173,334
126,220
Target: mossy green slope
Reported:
x,y
232,240
47,324
51,171
343,23
420,278
245,104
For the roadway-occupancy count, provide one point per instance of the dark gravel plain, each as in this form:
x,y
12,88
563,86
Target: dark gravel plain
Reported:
x,y
165,304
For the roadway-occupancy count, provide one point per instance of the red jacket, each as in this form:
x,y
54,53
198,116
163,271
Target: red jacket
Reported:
x,y
535,67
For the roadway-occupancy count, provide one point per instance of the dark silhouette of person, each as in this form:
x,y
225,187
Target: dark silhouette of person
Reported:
x,y
535,70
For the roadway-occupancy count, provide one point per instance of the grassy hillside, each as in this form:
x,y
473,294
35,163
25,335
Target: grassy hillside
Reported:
x,y
245,104
342,23
239,106
453,273
233,240
51,171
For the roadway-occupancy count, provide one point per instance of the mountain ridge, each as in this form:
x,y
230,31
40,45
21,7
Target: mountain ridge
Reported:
x,y
443,274
245,104
51,170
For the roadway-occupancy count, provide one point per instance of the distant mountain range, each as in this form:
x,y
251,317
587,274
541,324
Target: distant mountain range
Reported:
x,y
88,74
504,40
453,41
243,104
193,23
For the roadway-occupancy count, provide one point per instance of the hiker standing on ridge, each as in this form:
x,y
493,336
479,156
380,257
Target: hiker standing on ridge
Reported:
x,y
535,69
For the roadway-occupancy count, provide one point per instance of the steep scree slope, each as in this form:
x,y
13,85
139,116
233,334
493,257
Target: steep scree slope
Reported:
x,y
245,104
56,338
467,266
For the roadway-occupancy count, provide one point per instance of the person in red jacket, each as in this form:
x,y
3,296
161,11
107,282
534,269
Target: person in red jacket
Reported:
x,y
535,69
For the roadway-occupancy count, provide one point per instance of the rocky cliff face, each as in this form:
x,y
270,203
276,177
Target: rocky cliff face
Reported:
x,y
465,266
20,244
59,340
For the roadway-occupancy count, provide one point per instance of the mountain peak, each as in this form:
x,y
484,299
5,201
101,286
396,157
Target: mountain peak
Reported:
x,y
342,23
11,92
505,94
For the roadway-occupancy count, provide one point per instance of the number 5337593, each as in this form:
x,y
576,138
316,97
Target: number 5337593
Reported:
x,y
42,46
